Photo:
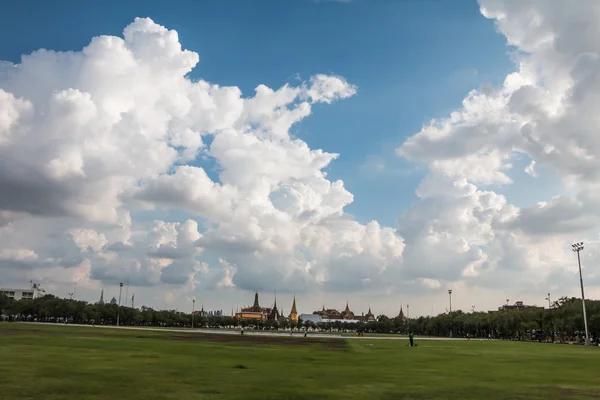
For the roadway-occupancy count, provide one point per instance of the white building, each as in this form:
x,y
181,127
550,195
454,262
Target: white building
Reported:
x,y
18,294
316,318
343,321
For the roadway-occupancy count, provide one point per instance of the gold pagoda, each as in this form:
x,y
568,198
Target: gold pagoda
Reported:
x,y
294,313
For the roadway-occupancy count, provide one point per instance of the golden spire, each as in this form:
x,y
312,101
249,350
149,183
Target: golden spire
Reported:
x,y
347,308
294,306
294,313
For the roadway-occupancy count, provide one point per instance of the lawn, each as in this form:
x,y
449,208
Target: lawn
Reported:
x,y
59,362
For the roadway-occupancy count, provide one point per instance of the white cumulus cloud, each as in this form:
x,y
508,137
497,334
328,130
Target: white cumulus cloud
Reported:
x,y
93,137
104,176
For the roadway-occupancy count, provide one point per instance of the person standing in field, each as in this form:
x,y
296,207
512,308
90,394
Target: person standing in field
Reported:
x,y
411,337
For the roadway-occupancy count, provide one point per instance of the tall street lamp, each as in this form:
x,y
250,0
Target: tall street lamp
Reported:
x,y
193,309
577,247
119,306
450,298
551,319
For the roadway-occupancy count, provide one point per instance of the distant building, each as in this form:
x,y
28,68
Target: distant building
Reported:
x,y
258,313
401,315
35,290
101,301
317,319
255,313
113,301
314,318
366,317
18,294
518,306
208,314
274,314
329,313
347,315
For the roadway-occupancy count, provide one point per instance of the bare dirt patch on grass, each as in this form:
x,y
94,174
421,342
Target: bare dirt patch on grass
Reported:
x,y
90,332
261,340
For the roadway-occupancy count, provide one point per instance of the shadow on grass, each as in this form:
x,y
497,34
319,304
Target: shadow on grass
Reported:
x,y
51,330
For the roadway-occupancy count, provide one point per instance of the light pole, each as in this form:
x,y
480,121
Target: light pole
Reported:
x,y
193,308
70,296
408,311
119,306
577,247
551,319
450,298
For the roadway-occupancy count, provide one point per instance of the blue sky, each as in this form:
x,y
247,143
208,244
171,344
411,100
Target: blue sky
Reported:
x,y
411,60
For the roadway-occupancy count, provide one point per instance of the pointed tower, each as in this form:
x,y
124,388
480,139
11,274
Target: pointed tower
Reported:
x,y
274,315
101,301
370,316
401,315
256,306
347,314
294,313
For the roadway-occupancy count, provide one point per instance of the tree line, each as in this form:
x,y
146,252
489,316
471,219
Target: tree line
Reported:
x,y
564,321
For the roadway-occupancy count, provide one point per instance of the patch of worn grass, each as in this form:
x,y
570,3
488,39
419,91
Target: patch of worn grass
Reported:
x,y
58,362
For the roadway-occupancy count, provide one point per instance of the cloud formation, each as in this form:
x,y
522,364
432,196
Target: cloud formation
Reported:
x,y
545,111
96,144
89,137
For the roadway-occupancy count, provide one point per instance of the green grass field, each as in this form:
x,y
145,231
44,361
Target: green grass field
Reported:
x,y
58,362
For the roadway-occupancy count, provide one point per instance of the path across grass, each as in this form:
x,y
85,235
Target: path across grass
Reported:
x,y
254,332
57,362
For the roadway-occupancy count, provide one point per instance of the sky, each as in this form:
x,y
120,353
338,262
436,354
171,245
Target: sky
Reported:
x,y
376,152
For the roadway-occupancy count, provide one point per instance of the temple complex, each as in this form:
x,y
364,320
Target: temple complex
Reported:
x,y
331,314
258,313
